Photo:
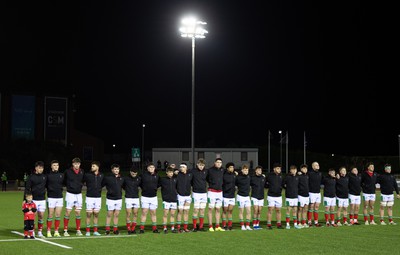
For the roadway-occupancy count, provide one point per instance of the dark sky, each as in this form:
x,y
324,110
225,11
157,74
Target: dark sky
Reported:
x,y
314,66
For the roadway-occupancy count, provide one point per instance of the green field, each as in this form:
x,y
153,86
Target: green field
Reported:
x,y
341,240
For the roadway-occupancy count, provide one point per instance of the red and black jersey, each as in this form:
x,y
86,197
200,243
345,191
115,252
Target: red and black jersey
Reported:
x,y
55,184
368,181
29,215
274,184
215,177
257,183
354,184
342,187
73,180
291,185
199,181
93,184
36,185
229,185
131,186
243,184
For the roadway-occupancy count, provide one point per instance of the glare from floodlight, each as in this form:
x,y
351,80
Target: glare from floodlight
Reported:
x,y
193,28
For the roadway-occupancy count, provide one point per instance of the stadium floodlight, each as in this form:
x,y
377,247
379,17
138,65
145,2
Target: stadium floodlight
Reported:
x,y
193,28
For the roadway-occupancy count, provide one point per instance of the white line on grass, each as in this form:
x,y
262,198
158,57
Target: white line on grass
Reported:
x,y
45,241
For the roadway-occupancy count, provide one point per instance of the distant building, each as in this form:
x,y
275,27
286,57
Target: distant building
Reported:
x,y
238,156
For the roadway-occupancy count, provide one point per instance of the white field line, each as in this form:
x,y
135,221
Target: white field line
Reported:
x,y
44,241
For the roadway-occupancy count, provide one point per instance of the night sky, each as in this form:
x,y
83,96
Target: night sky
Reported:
x,y
319,67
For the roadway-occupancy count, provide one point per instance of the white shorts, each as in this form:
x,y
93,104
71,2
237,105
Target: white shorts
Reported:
x,y
149,202
73,200
369,197
315,198
355,200
329,201
292,202
40,205
243,202
387,198
169,205
199,198
54,202
274,201
228,201
303,201
214,199
113,204
93,204
257,202
182,200
342,202
132,203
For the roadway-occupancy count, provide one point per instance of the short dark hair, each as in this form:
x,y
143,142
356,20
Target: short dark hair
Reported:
x,y
114,166
54,162
229,164
304,165
277,165
170,169
218,159
39,163
133,169
97,163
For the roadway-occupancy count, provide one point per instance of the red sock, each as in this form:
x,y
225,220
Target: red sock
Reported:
x,y
365,218
287,219
326,217
332,217
210,225
216,225
303,222
49,224
115,228
224,223
390,219
247,223
309,214
201,222
178,226
258,222
25,232
78,224
254,222
185,226
241,223
66,221
141,227
107,228
351,216
95,229
87,229
40,226
278,224
229,223
128,226
344,219
154,227
194,223
133,226
316,216
356,216
56,225
371,217
295,221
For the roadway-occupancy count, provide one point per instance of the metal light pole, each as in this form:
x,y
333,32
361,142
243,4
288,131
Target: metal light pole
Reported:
x,y
280,159
193,29
143,126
